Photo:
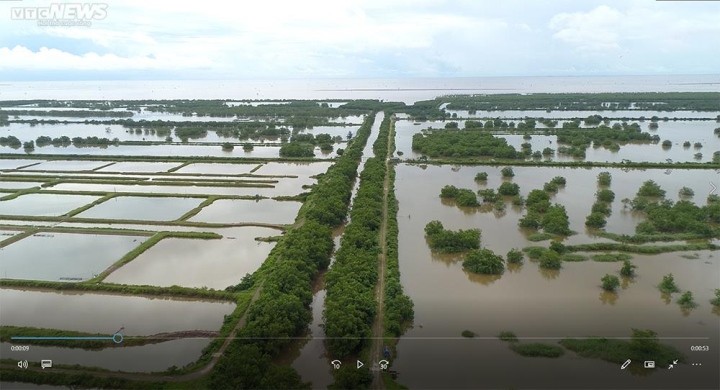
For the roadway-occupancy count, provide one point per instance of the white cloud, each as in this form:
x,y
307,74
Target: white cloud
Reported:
x,y
45,58
594,30
371,38
605,28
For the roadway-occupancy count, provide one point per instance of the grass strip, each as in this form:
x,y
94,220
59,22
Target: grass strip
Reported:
x,y
207,202
20,193
103,166
642,249
537,350
206,225
118,289
149,158
17,237
90,205
618,351
181,166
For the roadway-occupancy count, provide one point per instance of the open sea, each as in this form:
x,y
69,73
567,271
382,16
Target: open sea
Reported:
x,y
405,90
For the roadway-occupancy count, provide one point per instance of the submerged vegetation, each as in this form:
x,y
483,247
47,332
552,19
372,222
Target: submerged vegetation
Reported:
x,y
642,346
537,350
284,283
483,261
448,241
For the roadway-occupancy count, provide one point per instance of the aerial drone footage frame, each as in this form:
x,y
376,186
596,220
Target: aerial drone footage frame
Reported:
x,y
185,222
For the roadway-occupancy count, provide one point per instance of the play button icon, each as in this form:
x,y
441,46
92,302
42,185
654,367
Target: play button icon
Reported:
x,y
359,364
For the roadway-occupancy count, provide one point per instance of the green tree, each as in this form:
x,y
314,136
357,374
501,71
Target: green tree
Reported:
x,y
595,220
651,189
668,284
628,269
449,192
297,149
605,195
604,178
556,220
507,172
466,198
558,247
484,261
507,188
601,207
489,195
686,300
481,176
515,256
716,301
644,343
434,227
686,192
530,220
536,196
550,260
550,187
610,282
559,180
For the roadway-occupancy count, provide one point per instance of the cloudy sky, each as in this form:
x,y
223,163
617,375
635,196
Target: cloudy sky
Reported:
x,y
274,39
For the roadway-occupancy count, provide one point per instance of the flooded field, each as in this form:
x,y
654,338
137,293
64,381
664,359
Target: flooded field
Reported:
x,y
218,169
555,114
293,168
145,358
106,313
17,185
66,165
44,205
143,167
263,211
63,256
139,208
676,132
577,196
160,150
284,187
16,163
198,263
564,303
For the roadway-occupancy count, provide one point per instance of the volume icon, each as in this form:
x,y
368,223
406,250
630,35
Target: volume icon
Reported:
x,y
23,364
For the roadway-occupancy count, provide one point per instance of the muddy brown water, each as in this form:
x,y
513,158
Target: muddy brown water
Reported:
x,y
535,303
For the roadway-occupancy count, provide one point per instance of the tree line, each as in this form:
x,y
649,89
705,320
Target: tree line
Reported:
x,y
350,304
282,310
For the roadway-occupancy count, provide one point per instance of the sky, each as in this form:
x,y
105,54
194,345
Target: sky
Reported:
x,y
273,39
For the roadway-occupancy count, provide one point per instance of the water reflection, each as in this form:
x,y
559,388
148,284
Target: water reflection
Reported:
x,y
625,282
513,267
564,303
549,274
485,280
608,297
446,258
667,298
